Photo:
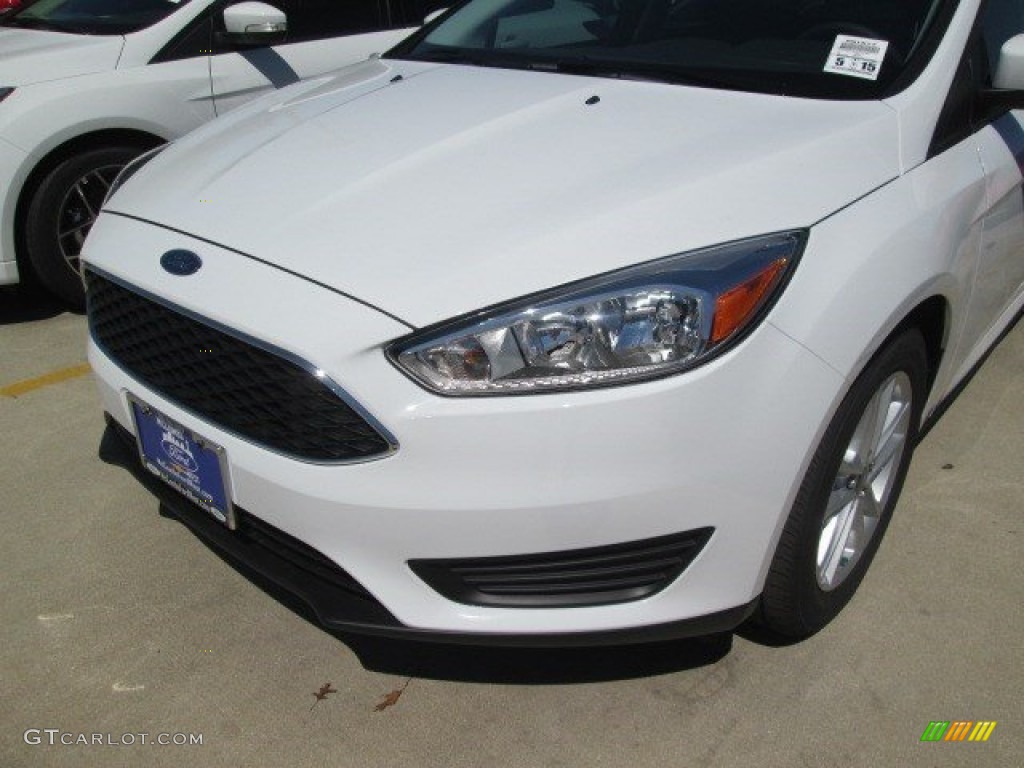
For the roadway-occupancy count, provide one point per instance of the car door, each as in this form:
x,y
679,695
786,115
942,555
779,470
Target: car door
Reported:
x,y
999,279
323,35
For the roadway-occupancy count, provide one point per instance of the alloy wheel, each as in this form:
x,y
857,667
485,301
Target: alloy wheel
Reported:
x,y
79,209
866,477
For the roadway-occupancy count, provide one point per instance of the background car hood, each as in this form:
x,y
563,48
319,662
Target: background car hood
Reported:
x,y
456,187
30,56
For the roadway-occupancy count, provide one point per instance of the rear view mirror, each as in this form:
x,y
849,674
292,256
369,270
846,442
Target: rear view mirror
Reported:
x,y
254,24
1008,82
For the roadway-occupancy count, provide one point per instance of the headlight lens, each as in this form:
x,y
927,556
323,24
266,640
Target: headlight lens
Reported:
x,y
131,169
640,323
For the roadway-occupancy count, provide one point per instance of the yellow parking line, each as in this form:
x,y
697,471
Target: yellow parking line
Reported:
x,y
56,377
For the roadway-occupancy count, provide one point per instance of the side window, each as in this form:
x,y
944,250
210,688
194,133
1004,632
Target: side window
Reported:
x,y
1003,19
193,41
319,19
960,117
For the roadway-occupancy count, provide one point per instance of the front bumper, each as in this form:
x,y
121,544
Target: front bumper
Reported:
x,y
12,171
272,558
721,447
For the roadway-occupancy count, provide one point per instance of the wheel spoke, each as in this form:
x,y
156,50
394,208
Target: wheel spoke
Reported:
x,y
878,412
844,524
892,442
78,228
71,245
870,505
84,198
100,178
858,453
842,495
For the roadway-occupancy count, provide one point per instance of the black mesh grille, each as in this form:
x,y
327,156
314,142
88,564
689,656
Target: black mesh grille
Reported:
x,y
247,390
596,576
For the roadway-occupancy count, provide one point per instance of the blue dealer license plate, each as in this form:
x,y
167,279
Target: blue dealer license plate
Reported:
x,y
184,460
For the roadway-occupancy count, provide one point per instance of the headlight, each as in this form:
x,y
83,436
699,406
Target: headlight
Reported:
x,y
640,323
131,169
5,92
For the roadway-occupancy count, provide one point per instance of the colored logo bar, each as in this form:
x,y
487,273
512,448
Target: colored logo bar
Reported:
x,y
958,730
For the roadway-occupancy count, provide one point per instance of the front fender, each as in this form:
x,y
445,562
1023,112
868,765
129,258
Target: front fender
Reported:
x,y
868,266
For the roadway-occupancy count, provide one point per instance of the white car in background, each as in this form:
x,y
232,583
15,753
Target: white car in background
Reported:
x,y
573,319
86,85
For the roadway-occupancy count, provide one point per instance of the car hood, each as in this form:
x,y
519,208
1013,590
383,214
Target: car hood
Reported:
x,y
30,56
434,190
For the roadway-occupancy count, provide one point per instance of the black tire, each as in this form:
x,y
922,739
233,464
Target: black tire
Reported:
x,y
60,214
797,601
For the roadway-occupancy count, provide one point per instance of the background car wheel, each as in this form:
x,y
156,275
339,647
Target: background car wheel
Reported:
x,y
62,212
846,499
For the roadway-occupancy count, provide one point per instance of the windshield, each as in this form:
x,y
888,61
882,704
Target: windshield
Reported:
x,y
91,17
818,48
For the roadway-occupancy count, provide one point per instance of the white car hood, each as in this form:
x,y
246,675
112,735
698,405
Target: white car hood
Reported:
x,y
454,188
30,56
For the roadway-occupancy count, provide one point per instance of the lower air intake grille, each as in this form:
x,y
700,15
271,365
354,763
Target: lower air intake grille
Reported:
x,y
298,554
597,576
246,389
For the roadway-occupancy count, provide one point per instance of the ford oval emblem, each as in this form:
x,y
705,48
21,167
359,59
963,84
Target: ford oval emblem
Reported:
x,y
182,263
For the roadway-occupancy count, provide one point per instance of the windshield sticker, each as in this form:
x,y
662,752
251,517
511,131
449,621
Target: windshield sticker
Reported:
x,y
856,57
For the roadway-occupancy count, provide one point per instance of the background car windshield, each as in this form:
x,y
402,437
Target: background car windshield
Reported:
x,y
92,17
778,46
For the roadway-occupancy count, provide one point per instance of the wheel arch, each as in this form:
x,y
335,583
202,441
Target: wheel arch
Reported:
x,y
69,148
933,318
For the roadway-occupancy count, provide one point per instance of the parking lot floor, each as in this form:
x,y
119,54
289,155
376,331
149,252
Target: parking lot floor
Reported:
x,y
118,622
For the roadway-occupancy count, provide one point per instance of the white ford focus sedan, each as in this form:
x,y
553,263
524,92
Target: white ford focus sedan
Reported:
x,y
87,85
572,320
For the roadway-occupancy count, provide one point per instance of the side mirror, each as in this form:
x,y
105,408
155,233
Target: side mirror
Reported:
x,y
1009,74
434,15
1008,83
254,24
